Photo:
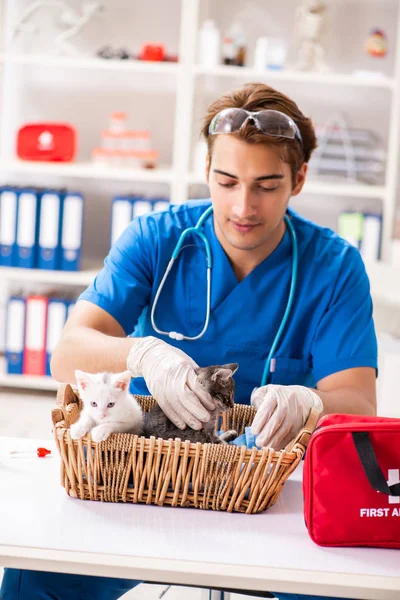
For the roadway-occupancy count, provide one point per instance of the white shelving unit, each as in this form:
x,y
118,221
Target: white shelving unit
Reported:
x,y
379,81
87,170
113,65
61,278
187,77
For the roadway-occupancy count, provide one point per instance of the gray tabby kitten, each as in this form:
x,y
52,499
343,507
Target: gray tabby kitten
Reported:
x,y
218,381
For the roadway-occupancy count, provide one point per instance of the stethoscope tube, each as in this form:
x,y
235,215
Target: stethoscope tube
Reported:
x,y
295,263
178,248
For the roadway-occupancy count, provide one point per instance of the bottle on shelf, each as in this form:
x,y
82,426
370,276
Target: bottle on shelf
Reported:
x,y
277,51
261,53
209,45
240,43
228,51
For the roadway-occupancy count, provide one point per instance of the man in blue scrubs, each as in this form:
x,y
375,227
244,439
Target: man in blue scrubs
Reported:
x,y
327,356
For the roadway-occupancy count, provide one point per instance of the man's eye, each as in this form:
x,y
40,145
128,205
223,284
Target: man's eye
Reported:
x,y
263,189
226,185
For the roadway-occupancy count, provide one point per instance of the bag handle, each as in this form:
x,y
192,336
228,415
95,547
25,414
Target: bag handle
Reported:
x,y
371,466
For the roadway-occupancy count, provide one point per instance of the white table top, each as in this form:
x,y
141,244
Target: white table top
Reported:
x,y
43,528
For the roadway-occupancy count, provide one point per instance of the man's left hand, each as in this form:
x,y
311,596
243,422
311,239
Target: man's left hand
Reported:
x,y
282,410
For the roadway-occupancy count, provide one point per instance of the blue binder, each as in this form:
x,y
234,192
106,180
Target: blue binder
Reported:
x,y
72,230
56,317
50,230
27,228
8,226
15,334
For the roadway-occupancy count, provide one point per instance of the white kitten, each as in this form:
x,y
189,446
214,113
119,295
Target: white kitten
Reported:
x,y
108,407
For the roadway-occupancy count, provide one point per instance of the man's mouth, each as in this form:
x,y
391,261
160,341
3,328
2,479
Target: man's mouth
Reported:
x,y
244,227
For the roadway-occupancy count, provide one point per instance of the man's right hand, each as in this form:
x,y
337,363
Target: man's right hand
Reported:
x,y
170,377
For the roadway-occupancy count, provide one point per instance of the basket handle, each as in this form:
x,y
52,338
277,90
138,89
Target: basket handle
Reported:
x,y
303,437
67,405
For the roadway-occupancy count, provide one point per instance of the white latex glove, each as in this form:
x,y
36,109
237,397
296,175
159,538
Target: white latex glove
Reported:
x,y
170,377
282,411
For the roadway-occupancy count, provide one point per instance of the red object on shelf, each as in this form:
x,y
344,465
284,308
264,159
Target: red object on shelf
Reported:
x,y
42,452
54,142
153,52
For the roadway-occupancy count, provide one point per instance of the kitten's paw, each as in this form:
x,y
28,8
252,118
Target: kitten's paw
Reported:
x,y
100,433
77,431
228,436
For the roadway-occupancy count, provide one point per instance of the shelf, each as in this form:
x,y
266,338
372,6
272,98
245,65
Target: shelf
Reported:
x,y
81,278
91,63
379,81
28,381
87,170
356,190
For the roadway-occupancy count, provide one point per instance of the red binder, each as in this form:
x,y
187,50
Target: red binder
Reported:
x,y
35,335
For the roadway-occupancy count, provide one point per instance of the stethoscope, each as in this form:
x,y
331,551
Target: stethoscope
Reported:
x,y
197,231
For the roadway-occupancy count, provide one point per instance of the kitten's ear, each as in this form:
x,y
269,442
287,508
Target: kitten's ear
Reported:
x,y
122,380
222,374
232,366
82,379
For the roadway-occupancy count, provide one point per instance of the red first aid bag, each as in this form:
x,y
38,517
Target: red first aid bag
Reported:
x,y
351,482
54,142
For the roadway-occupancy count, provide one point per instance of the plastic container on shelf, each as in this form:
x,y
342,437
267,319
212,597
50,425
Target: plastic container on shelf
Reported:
x,y
228,51
118,121
149,158
111,140
141,140
100,156
261,54
240,43
209,45
277,51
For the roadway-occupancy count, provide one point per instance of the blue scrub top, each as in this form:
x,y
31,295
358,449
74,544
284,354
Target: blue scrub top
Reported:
x,y
330,327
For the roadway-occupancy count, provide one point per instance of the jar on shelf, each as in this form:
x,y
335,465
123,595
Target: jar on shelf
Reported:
x,y
111,140
118,122
228,51
261,54
209,45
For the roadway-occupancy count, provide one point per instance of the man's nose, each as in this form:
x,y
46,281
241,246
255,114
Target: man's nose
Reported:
x,y
244,204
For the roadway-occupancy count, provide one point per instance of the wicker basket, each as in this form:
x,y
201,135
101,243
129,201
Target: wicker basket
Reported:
x,y
131,468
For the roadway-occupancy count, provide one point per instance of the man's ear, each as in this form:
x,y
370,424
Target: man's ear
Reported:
x,y
300,179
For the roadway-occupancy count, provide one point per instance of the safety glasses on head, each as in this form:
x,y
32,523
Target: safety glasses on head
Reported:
x,y
269,122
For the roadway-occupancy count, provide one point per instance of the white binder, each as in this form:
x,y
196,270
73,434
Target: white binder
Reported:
x,y
56,317
27,227
49,230
71,239
121,216
15,334
371,237
8,227
141,207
